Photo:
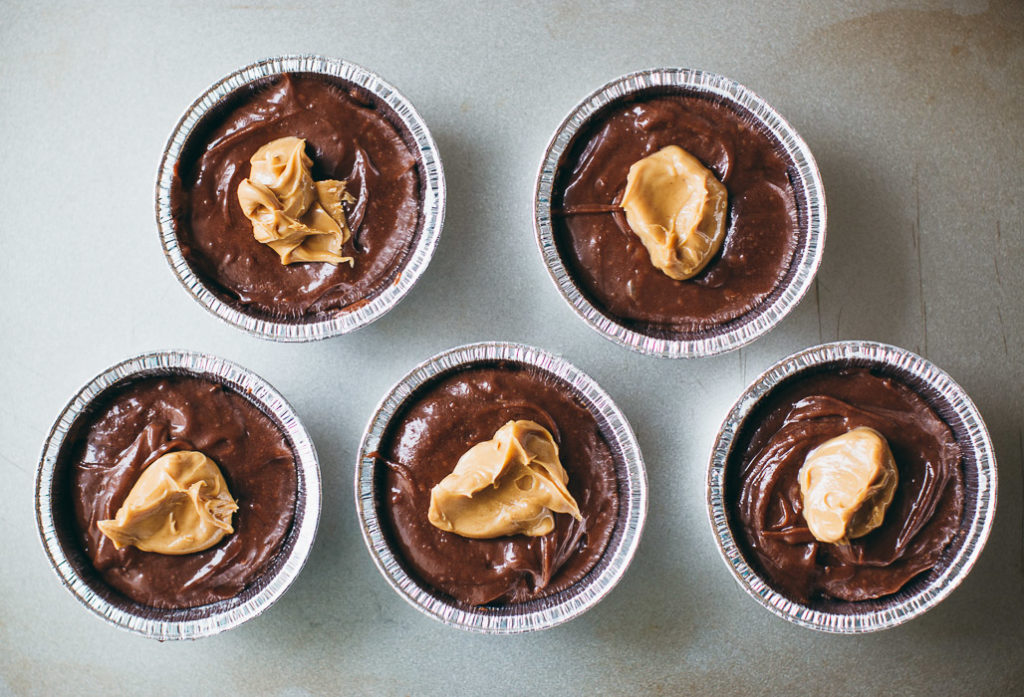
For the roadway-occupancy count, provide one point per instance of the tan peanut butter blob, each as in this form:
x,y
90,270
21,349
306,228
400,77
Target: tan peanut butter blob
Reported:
x,y
847,483
677,208
300,219
512,484
179,505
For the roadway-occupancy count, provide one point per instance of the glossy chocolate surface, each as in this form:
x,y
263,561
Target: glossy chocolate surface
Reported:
x,y
349,135
764,501
427,438
137,423
610,264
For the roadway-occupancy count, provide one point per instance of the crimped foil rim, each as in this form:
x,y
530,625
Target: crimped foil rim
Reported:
x,y
980,516
432,204
307,514
811,197
538,614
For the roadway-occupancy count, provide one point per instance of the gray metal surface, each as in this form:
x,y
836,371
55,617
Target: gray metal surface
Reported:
x,y
913,113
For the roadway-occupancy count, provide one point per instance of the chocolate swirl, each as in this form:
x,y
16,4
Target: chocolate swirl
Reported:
x,y
136,424
610,263
351,136
427,438
922,520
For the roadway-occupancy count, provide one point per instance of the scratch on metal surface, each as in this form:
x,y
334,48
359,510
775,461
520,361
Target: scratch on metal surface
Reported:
x,y
1020,449
14,463
282,6
839,318
1002,330
920,275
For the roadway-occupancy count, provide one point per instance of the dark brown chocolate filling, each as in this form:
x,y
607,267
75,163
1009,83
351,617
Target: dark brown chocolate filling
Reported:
x,y
764,494
136,424
350,135
608,261
427,438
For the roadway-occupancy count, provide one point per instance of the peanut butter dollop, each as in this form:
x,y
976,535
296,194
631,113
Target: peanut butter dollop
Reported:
x,y
512,484
677,208
847,483
179,505
300,219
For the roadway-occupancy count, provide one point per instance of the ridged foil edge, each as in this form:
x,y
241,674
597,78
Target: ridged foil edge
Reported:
x,y
308,501
980,516
806,259
433,201
523,617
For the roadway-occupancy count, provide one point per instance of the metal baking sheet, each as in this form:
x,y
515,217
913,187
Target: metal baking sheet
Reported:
x,y
912,111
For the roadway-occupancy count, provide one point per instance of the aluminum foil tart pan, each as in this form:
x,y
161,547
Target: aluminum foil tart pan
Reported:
x,y
518,617
360,313
60,538
978,464
801,170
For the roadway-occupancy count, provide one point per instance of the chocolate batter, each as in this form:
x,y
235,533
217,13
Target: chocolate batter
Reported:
x,y
140,422
765,507
349,135
426,440
611,265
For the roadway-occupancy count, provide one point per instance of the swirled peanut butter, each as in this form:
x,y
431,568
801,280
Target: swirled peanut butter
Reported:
x,y
677,208
847,483
300,219
180,504
512,484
